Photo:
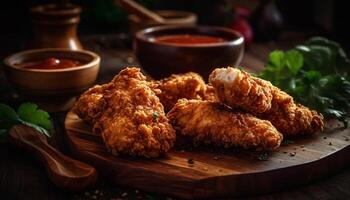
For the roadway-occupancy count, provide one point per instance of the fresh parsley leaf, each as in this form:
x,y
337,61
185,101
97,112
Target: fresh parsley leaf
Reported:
x,y
316,74
294,61
7,113
276,59
38,128
8,117
30,113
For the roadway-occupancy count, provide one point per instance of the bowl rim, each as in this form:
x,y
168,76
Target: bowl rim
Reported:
x,y
141,35
95,60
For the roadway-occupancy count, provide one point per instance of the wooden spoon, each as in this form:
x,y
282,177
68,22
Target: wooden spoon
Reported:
x,y
63,171
139,10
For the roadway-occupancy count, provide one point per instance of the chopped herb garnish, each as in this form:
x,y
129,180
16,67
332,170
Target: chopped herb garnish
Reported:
x,y
155,115
190,161
287,142
263,157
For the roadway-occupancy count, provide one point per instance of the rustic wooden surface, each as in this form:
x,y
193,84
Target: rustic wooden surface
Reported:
x,y
216,173
21,177
63,171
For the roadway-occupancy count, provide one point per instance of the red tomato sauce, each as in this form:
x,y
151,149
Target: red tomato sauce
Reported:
x,y
186,39
50,63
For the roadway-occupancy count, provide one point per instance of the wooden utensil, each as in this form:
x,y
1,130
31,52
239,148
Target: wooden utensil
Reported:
x,y
139,10
63,171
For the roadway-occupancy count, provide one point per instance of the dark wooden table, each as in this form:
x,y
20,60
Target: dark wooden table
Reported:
x,y
21,177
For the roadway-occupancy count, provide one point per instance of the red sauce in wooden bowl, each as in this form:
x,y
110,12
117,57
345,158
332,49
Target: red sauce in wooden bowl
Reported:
x,y
189,39
50,63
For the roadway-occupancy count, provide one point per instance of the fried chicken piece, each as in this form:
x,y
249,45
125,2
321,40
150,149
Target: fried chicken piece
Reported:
x,y
190,86
213,123
239,89
292,118
91,104
132,120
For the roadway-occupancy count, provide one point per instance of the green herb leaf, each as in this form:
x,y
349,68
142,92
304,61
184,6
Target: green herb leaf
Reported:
x,y
263,157
287,142
7,113
316,74
294,60
155,115
38,128
190,161
8,117
276,59
30,113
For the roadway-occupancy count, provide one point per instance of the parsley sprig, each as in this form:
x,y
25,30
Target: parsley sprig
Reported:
x,y
316,74
27,114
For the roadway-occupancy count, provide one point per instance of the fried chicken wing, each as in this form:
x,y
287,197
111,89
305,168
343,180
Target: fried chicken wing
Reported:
x,y
132,120
239,89
213,123
190,86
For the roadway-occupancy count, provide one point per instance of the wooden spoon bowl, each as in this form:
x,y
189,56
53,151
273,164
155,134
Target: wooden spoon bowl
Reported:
x,y
63,171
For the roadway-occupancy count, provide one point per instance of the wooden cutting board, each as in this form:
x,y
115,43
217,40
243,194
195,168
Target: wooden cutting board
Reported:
x,y
216,173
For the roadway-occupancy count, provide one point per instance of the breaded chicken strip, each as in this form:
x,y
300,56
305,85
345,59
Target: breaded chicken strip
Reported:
x,y
213,123
190,86
239,89
292,118
132,120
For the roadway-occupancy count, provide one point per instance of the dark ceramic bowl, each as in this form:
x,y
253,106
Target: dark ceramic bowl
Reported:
x,y
161,60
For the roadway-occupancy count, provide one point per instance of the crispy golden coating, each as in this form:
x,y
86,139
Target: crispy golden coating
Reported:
x,y
292,118
213,123
239,89
91,104
133,121
189,86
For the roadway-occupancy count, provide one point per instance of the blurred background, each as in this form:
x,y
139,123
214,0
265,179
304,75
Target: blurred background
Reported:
x,y
258,20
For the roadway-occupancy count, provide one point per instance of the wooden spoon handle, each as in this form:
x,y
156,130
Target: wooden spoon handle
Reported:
x,y
137,9
63,171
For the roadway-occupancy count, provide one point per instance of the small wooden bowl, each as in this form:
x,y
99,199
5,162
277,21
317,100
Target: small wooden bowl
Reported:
x,y
52,89
161,60
172,17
